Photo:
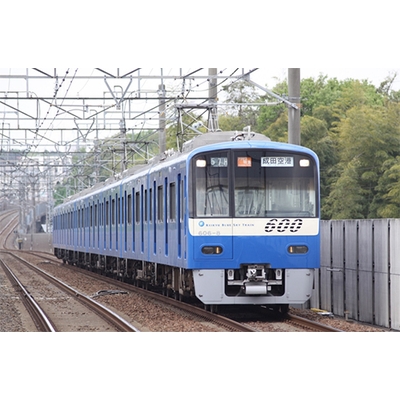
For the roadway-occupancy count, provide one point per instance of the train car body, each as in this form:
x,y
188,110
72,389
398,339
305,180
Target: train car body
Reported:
x,y
233,219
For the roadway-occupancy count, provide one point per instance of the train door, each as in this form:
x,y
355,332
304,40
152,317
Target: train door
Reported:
x,y
183,217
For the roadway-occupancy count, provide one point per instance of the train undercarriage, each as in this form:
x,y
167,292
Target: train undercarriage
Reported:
x,y
171,281
248,285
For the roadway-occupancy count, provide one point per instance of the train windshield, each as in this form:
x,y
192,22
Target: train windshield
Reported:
x,y
211,191
254,183
276,185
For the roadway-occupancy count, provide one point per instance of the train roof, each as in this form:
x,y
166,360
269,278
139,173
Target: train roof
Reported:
x,y
160,161
220,137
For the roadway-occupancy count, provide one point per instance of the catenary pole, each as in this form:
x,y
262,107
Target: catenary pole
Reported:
x,y
213,94
162,119
294,113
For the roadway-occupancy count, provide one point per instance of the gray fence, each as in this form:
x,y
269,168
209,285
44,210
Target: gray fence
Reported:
x,y
360,271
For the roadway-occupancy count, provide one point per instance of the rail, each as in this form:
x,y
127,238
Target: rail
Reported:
x,y
41,320
117,321
313,325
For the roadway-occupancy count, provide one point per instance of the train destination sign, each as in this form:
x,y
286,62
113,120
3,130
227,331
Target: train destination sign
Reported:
x,y
219,161
277,161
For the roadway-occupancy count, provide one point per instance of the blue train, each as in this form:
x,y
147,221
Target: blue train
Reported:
x,y
232,219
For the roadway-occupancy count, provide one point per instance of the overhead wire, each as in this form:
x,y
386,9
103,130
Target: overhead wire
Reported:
x,y
183,90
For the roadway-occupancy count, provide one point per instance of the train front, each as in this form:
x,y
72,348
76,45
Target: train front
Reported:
x,y
253,223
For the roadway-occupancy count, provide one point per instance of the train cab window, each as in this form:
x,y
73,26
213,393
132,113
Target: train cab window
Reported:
x,y
274,184
210,184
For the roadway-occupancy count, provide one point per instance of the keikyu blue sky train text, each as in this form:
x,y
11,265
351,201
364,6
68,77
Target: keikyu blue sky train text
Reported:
x,y
233,219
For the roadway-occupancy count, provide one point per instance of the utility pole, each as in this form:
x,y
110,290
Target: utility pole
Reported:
x,y
294,113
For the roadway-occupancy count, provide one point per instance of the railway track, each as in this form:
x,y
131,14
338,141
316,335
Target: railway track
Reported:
x,y
262,319
42,321
227,324
310,325
224,323
39,317
219,320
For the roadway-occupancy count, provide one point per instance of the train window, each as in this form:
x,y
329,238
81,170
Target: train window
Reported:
x,y
182,202
273,185
145,205
113,212
151,205
137,207
118,209
123,211
107,213
129,209
210,184
172,201
160,203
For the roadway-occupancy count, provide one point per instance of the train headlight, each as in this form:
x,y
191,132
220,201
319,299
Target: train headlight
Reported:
x,y
211,250
201,163
304,163
299,249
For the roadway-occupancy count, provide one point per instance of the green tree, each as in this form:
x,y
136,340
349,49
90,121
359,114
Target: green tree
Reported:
x,y
347,198
367,137
239,97
230,123
386,203
184,129
278,130
316,136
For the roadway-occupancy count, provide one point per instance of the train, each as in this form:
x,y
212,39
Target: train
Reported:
x,y
231,219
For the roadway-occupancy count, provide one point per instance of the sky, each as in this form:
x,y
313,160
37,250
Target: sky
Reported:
x,y
373,75
266,76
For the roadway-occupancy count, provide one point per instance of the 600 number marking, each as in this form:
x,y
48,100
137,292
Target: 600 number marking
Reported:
x,y
283,225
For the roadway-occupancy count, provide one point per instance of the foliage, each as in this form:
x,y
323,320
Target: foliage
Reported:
x,y
184,128
109,157
353,126
354,129
239,98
